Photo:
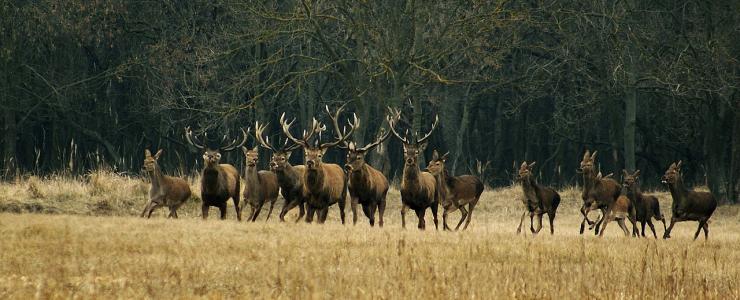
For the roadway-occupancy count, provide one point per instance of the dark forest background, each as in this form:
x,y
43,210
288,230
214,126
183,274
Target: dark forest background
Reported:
x,y
86,84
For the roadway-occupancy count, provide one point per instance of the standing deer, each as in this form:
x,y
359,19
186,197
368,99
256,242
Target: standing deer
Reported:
x,y
538,200
218,182
619,210
455,191
367,186
262,185
325,183
647,206
290,178
603,191
165,191
688,205
418,189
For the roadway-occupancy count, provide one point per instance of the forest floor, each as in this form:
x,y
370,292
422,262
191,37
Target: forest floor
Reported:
x,y
84,240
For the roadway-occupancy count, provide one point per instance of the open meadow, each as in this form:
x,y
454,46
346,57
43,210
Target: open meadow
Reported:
x,y
82,238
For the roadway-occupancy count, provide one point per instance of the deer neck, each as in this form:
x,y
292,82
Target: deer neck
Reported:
x,y
287,176
442,183
315,177
678,191
251,176
361,177
528,187
157,177
411,177
589,181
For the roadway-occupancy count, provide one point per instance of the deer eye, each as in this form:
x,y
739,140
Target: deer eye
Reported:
x,y
218,155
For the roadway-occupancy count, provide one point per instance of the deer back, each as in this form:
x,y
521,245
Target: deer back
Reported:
x,y
177,190
332,181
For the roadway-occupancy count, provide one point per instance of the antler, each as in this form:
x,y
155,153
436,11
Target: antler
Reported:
x,y
191,140
342,135
315,127
234,144
393,116
379,139
434,125
258,130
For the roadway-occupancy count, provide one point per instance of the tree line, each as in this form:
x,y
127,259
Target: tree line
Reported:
x,y
92,83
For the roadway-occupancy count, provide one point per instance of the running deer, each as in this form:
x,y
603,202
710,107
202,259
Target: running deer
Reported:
x,y
603,191
619,210
165,191
218,182
688,205
367,186
455,192
290,178
647,206
418,189
262,186
538,200
325,183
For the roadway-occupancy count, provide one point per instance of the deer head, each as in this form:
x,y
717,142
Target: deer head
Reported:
x,y
150,162
525,171
630,180
673,174
437,164
588,162
280,156
313,154
412,146
356,154
212,157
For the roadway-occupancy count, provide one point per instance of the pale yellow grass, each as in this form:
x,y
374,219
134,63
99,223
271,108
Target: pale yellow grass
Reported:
x,y
120,256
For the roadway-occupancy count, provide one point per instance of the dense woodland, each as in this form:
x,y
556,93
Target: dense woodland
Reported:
x,y
86,84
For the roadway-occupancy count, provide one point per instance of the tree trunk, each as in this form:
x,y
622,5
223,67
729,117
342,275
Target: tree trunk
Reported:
x,y
735,162
630,119
10,139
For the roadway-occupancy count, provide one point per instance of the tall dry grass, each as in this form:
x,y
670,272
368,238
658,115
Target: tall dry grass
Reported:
x,y
119,256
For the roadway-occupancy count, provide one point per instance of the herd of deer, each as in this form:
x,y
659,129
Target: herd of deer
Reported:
x,y
317,185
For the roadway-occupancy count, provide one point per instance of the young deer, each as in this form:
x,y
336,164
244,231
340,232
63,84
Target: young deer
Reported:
x,y
647,206
603,191
262,186
688,205
290,178
325,183
455,191
218,182
165,191
619,210
367,186
538,200
418,189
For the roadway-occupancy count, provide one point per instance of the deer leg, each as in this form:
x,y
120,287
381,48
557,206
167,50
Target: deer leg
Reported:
x,y
370,211
152,208
236,207
706,230
342,202
323,213
269,212
605,219
531,221
381,212
464,216
643,227
539,223
444,219
146,208
598,223
174,212
366,210
435,207
519,229
353,205
698,230
667,233
420,214
309,213
404,208
301,210
204,211
652,228
551,217
257,211
287,206
471,206
222,208
623,226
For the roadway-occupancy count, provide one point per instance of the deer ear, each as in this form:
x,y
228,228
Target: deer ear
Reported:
x,y
593,156
587,155
323,150
435,155
625,173
245,150
159,153
678,166
444,157
524,165
287,154
423,146
598,176
532,164
637,173
147,153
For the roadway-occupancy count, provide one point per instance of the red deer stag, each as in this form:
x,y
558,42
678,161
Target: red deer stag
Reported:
x,y
604,191
165,191
325,183
455,191
418,189
538,200
688,205
647,206
262,186
290,178
367,186
218,182
619,210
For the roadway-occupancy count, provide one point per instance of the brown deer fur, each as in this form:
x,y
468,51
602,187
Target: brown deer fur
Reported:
x,y
538,200
219,182
418,189
619,210
367,186
603,191
455,191
647,206
325,183
688,205
165,191
262,186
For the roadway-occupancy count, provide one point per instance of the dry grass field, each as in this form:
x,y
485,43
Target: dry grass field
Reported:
x,y
84,240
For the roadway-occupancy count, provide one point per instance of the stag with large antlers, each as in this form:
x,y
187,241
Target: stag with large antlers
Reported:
x,y
218,182
688,205
165,191
325,183
367,186
455,191
538,200
262,186
418,189
290,178
604,191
